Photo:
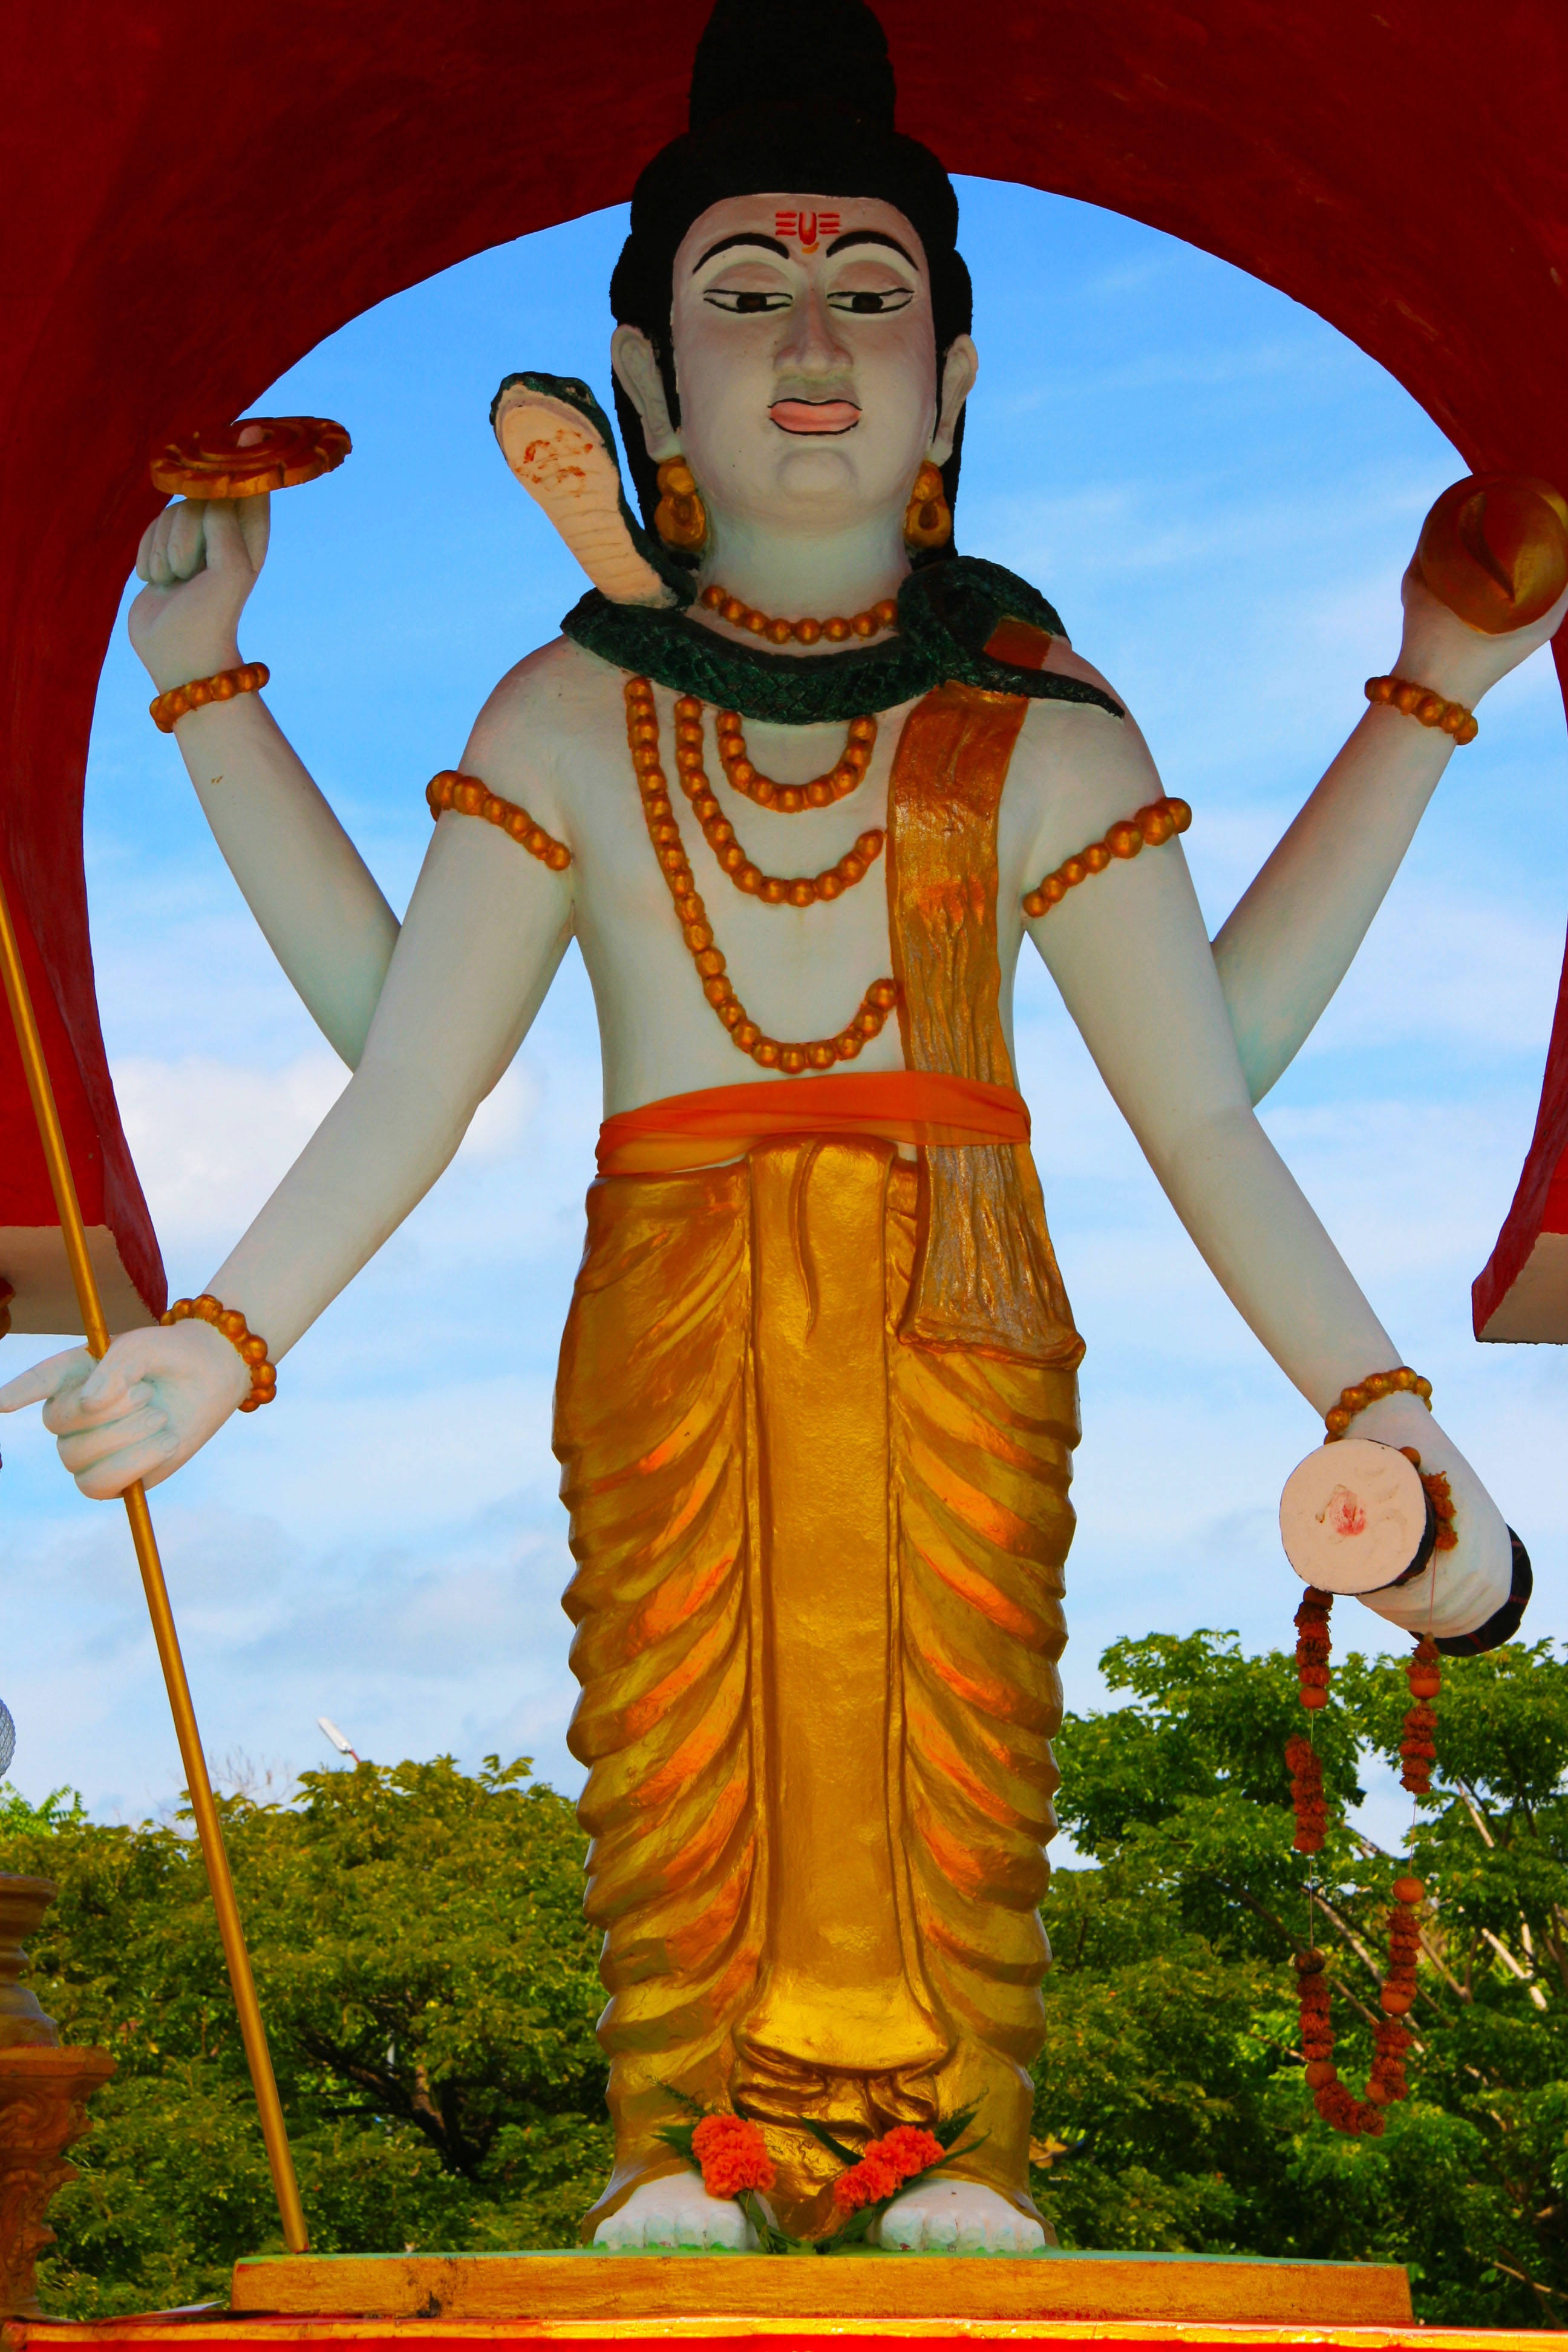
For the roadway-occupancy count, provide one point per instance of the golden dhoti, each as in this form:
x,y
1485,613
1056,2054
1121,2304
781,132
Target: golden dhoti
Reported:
x,y
814,1411
817,1600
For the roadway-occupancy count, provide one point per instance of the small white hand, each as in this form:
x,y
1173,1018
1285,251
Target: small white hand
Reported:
x,y
152,1402
201,558
1441,651
1468,1583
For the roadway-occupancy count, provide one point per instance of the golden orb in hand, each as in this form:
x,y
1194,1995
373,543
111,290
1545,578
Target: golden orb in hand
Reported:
x,y
1494,549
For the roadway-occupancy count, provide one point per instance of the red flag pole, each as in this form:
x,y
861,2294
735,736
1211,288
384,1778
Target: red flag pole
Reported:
x,y
209,1826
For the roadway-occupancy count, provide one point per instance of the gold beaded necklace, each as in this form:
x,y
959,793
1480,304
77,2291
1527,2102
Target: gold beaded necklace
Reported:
x,y
869,624
818,1054
773,889
788,799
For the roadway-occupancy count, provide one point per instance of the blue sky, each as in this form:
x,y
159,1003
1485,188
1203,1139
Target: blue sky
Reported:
x,y
1219,494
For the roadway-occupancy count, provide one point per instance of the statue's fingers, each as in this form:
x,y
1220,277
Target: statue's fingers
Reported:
x,y
135,1356
187,539
69,1410
242,527
85,1449
151,1460
160,572
42,1381
144,552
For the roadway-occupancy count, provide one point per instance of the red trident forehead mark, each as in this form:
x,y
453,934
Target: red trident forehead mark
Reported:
x,y
807,229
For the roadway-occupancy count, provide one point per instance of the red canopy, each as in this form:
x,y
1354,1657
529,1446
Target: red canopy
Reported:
x,y
192,201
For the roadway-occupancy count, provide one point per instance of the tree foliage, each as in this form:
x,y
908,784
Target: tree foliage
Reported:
x,y
1173,2070
430,1986
430,1989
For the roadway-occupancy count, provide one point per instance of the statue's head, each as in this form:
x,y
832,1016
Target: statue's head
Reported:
x,y
794,309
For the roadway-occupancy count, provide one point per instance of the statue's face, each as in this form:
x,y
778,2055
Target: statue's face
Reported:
x,y
805,357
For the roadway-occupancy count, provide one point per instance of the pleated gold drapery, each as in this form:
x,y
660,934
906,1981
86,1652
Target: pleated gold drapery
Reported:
x,y
816,1412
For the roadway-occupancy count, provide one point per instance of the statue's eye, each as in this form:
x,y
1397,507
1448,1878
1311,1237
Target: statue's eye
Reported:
x,y
867,304
746,302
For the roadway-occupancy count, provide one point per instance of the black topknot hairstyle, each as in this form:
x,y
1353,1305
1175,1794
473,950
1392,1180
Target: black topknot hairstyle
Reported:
x,y
801,103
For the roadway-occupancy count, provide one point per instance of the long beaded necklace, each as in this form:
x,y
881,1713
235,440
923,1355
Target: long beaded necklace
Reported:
x,y
819,1053
774,889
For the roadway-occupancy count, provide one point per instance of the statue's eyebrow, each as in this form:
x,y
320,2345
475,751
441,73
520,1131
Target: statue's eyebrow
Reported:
x,y
870,237
747,236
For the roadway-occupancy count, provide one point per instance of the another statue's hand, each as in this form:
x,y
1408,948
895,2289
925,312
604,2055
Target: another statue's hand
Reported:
x,y
200,559
151,1402
1441,651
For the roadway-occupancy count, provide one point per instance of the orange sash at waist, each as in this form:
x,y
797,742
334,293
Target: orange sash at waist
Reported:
x,y
904,1106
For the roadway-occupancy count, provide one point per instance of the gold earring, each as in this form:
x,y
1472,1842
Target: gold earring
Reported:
x,y
927,519
680,518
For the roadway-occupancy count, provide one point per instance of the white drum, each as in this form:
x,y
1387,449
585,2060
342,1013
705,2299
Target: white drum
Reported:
x,y
1354,1517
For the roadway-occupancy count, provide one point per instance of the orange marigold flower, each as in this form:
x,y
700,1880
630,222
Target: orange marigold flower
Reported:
x,y
732,2153
909,2150
866,2183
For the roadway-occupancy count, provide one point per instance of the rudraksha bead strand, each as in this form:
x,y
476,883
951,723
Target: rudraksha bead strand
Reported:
x,y
772,889
1306,1794
1418,1753
821,1052
836,631
788,799
470,797
222,686
1312,1675
1159,822
1398,1991
1402,1380
1402,693
250,1347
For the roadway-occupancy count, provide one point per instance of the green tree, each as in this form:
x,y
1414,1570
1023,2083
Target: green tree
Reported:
x,y
430,1989
1172,2071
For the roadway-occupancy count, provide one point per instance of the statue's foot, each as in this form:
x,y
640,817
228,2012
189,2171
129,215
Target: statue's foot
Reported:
x,y
957,2217
675,2212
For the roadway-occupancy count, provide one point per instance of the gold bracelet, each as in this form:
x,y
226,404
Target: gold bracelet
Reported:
x,y
1401,1382
222,686
451,790
1420,703
235,1329
1154,825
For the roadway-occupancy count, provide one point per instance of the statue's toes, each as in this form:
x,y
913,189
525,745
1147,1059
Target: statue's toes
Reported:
x,y
901,2230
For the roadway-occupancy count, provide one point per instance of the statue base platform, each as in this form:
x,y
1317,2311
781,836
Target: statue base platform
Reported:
x,y
717,2302
594,2287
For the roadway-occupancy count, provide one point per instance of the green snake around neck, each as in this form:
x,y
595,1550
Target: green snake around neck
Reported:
x,y
947,612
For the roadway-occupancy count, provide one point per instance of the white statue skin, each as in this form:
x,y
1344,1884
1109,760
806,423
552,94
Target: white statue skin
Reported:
x,y
1186,1038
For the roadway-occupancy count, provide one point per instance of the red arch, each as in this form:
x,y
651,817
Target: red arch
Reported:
x,y
190,205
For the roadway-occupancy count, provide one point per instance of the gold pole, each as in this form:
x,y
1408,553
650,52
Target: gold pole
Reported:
x,y
209,1827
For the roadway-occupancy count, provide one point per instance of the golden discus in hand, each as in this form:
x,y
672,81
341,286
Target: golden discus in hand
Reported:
x,y
1494,549
258,452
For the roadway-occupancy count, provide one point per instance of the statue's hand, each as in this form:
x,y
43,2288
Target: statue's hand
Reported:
x,y
200,559
155,1399
1468,1583
1441,651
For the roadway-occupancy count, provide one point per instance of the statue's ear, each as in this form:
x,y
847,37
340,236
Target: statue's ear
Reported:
x,y
637,371
959,369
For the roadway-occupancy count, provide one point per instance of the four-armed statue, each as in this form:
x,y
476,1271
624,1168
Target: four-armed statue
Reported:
x,y
800,779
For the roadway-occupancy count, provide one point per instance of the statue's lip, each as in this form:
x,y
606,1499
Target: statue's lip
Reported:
x,y
815,415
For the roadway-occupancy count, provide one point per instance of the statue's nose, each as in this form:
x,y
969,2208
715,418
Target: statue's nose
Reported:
x,y
811,346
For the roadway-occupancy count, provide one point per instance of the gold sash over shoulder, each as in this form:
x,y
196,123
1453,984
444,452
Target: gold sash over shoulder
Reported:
x,y
815,1410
